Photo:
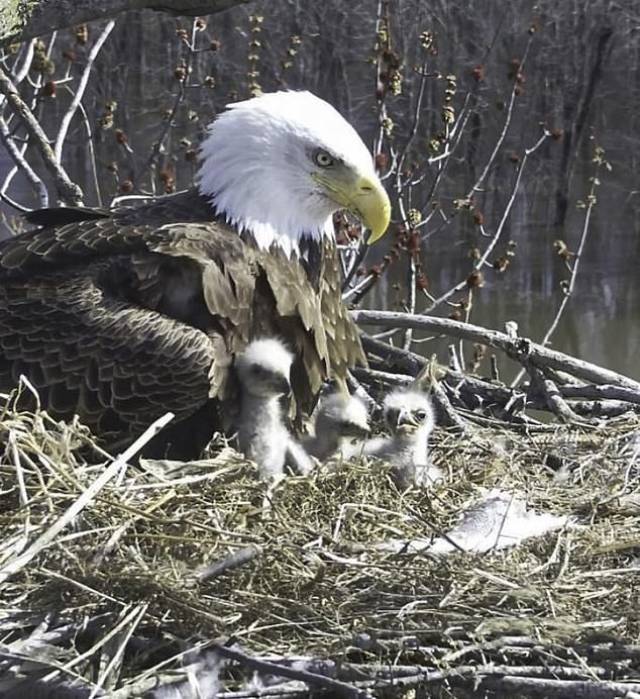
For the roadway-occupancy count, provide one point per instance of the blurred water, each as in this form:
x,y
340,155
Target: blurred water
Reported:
x,y
601,323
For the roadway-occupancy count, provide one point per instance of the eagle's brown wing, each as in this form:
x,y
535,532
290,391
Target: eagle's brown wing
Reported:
x,y
122,324
89,353
120,320
343,339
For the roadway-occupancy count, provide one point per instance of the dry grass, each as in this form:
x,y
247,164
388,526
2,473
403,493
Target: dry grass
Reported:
x,y
116,599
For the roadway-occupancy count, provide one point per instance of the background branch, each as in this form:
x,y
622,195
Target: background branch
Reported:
x,y
79,93
512,346
68,191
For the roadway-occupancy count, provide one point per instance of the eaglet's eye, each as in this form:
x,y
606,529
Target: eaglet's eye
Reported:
x,y
323,159
421,414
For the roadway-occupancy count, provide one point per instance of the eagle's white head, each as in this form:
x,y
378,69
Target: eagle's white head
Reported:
x,y
280,165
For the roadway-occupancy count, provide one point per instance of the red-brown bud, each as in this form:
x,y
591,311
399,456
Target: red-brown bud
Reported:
x,y
381,162
422,282
49,89
475,280
478,73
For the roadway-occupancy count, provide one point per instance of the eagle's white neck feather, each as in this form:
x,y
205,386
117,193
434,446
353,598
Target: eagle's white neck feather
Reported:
x,y
256,166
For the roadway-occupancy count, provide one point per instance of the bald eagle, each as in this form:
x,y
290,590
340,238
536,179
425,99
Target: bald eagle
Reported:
x,y
340,420
121,315
409,416
263,370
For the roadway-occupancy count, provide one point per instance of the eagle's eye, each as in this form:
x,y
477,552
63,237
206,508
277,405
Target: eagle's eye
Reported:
x,y
421,414
323,159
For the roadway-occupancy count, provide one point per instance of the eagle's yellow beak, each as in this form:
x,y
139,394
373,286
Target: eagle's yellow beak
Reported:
x,y
364,196
370,203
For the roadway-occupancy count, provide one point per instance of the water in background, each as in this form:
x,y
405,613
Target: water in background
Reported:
x,y
601,322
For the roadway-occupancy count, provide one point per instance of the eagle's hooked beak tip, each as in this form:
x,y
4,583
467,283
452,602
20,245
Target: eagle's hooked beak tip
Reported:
x,y
373,207
364,196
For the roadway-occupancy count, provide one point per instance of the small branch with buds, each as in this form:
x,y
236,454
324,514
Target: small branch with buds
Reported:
x,y
182,76
475,277
563,251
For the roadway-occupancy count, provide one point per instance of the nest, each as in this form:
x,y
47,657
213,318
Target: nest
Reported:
x,y
195,579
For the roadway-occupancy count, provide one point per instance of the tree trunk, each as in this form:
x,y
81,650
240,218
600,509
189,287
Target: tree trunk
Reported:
x,y
26,19
574,134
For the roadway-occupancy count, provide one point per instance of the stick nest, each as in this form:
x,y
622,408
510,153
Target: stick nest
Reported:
x,y
170,559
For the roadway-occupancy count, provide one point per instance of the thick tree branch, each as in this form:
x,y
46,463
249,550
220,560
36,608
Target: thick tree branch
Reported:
x,y
68,191
516,347
21,162
25,19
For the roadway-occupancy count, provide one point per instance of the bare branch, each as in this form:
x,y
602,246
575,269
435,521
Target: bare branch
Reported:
x,y
496,236
82,86
178,100
313,679
516,348
68,191
568,291
552,396
22,164
92,153
505,127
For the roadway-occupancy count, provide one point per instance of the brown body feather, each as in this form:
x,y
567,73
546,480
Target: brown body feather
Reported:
x,y
120,317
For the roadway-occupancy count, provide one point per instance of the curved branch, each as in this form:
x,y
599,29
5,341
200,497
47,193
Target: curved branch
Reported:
x,y
22,164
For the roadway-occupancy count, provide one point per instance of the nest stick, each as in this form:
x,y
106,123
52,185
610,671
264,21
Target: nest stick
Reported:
x,y
46,538
336,687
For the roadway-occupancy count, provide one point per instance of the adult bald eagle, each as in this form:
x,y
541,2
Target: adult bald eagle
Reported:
x,y
119,316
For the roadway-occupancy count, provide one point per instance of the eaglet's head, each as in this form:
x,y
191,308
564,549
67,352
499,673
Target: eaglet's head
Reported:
x,y
406,411
264,368
342,415
280,165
